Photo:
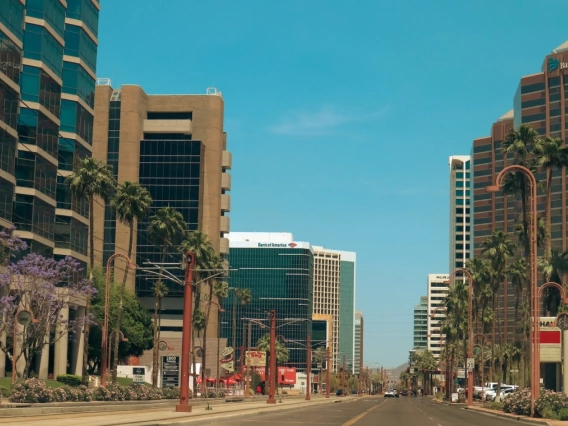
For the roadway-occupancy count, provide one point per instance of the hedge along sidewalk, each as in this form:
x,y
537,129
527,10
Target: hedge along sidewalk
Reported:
x,y
36,409
518,417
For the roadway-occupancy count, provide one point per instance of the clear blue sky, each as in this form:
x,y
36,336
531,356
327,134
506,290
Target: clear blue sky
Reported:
x,y
341,116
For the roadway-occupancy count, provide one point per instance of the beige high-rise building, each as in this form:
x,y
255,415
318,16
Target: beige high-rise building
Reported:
x,y
175,146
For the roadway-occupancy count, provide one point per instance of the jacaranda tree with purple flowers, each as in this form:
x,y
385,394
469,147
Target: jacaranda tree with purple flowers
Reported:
x,y
44,287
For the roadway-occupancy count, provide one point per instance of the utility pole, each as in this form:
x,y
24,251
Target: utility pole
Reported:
x,y
309,368
272,374
327,374
343,379
184,405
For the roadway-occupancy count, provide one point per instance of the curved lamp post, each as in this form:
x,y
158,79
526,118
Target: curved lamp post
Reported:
x,y
122,339
469,331
535,368
104,337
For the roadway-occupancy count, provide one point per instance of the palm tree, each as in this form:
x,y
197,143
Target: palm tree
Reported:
x,y
552,155
245,295
282,354
498,248
205,260
131,203
517,271
519,143
164,229
160,291
552,270
479,270
91,178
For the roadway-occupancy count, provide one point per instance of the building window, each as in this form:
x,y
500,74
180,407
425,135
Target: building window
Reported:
x,y
6,199
80,45
84,10
76,119
12,15
38,86
40,45
9,103
52,11
36,129
10,58
7,152
77,81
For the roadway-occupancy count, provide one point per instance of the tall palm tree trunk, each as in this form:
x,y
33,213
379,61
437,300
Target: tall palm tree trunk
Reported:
x,y
120,308
155,349
87,325
204,358
547,215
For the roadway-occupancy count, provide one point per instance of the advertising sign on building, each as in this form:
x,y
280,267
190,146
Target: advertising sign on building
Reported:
x,y
286,375
256,358
170,371
138,374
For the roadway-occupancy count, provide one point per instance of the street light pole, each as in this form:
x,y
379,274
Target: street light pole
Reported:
x,y
104,337
343,378
360,361
534,338
327,374
184,405
309,367
272,375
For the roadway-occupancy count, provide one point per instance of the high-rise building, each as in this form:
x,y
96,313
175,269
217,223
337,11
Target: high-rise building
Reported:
x,y
460,214
437,292
358,353
541,101
174,146
49,55
278,271
421,324
347,284
328,275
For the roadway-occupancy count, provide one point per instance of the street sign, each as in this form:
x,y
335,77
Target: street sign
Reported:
x,y
170,371
227,351
138,374
228,363
470,364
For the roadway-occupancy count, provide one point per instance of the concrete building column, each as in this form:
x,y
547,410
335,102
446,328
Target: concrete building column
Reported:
x,y
565,361
79,338
3,357
60,353
43,370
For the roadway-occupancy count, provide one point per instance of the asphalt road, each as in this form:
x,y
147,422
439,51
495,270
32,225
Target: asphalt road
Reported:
x,y
403,411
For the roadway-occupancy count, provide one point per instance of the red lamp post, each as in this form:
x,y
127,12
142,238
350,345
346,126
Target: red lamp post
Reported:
x,y
271,392
309,367
184,405
327,374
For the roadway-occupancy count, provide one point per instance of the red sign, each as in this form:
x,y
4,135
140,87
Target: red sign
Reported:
x,y
550,337
286,375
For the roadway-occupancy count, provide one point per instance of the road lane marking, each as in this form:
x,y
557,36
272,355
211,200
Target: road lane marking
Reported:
x,y
359,417
431,418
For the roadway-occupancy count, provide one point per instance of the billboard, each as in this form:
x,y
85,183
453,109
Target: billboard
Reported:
x,y
256,358
286,375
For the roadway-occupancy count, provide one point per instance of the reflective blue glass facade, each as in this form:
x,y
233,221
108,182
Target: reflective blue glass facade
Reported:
x,y
47,91
280,279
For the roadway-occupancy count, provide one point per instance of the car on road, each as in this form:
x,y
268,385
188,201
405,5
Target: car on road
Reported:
x,y
389,394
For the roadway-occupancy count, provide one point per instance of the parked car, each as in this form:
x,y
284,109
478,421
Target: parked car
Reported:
x,y
339,392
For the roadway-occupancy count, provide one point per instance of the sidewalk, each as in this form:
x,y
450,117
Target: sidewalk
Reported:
x,y
167,415
542,422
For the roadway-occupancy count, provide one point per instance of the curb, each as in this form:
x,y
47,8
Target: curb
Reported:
x,y
516,417
206,418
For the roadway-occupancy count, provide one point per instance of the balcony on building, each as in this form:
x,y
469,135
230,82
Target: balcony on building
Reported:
x,y
226,181
227,160
225,202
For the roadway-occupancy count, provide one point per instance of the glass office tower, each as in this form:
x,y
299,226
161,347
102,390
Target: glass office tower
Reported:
x,y
48,55
279,273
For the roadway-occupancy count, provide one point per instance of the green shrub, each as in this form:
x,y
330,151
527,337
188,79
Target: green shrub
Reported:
x,y
69,380
563,414
551,403
519,402
549,413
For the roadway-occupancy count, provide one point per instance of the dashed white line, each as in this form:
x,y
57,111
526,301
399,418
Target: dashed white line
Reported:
x,y
431,418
